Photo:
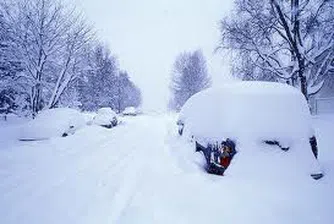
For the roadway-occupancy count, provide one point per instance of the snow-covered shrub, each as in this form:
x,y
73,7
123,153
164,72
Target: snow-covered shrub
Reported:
x,y
251,113
52,123
106,117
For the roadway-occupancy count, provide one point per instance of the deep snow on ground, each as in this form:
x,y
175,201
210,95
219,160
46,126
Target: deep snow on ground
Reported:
x,y
142,172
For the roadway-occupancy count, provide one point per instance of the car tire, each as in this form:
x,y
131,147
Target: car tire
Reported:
x,y
314,146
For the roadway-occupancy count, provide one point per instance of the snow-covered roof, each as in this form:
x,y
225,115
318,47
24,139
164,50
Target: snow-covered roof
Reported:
x,y
106,111
260,110
130,110
104,116
52,123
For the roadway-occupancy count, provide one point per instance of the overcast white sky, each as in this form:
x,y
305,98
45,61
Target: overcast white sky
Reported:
x,y
147,35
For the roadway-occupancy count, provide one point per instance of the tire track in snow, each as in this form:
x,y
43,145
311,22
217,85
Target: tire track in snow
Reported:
x,y
34,171
113,175
134,174
85,162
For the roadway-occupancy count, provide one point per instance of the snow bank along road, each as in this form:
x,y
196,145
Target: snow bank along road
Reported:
x,y
141,172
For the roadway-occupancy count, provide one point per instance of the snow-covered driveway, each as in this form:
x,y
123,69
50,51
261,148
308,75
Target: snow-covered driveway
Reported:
x,y
140,172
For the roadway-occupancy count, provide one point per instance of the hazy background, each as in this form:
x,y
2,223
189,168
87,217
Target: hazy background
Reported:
x,y
147,35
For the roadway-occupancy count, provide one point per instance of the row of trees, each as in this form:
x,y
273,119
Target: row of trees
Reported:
x,y
288,41
105,85
50,57
189,76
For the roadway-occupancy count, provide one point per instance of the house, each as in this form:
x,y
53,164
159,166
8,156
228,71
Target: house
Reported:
x,y
323,102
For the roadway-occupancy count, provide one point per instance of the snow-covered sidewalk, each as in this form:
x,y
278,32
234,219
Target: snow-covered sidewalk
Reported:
x,y
142,172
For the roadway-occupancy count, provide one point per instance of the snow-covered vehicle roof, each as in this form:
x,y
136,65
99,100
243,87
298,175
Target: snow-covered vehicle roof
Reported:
x,y
53,123
250,113
263,110
130,111
107,111
105,117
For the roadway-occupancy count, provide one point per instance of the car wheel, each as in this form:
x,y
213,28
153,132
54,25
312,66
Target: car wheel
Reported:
x,y
314,146
180,130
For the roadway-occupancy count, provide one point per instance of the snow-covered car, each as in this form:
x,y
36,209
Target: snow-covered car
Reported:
x,y
52,123
259,117
130,111
105,117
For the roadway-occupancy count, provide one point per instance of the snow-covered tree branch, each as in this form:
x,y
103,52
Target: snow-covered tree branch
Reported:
x,y
286,41
47,39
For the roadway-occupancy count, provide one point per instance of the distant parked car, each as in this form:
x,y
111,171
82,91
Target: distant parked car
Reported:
x,y
255,116
52,123
105,117
130,111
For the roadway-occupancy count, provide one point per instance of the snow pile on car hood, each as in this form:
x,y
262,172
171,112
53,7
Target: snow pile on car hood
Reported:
x,y
52,123
105,116
252,110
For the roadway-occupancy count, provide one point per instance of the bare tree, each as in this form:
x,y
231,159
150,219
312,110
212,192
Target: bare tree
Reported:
x,y
9,67
288,41
128,94
78,37
48,41
189,76
98,89
104,85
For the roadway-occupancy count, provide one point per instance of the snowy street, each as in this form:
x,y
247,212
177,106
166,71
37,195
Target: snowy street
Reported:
x,y
167,112
141,172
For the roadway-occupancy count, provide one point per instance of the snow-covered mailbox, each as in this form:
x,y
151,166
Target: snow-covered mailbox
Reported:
x,y
269,122
58,122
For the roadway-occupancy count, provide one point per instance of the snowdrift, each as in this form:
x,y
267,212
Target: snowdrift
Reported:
x,y
52,123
